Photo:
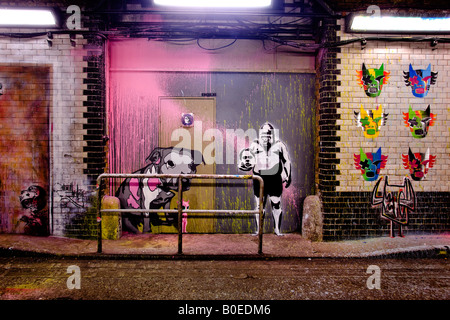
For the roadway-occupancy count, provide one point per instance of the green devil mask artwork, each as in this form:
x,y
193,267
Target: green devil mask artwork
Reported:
x,y
370,164
419,121
372,80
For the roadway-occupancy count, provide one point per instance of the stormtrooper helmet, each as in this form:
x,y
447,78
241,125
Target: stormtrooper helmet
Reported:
x,y
266,134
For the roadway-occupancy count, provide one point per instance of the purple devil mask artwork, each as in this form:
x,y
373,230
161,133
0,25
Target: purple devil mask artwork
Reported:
x,y
420,80
370,164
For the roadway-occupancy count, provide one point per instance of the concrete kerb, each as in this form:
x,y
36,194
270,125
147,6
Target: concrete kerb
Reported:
x,y
372,248
409,253
425,251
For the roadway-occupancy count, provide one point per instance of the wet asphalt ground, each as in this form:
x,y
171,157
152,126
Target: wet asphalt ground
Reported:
x,y
222,277
40,278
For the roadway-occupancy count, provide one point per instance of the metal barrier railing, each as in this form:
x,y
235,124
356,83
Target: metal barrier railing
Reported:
x,y
180,209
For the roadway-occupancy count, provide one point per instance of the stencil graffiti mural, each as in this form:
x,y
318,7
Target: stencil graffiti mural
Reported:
x,y
243,101
371,122
420,80
268,158
370,164
35,200
372,80
156,193
418,164
396,202
419,121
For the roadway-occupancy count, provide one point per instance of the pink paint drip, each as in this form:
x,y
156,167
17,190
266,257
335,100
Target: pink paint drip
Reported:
x,y
290,196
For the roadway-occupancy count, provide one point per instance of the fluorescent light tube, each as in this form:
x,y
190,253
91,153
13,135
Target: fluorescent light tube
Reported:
x,y
27,17
399,24
215,3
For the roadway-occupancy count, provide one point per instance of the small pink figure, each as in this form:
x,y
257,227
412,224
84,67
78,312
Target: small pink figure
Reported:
x,y
185,206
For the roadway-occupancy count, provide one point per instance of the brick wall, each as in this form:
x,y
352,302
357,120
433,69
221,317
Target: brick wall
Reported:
x,y
77,129
328,106
346,195
95,102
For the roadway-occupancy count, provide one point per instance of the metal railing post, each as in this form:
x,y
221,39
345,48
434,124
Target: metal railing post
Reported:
x,y
180,216
261,216
99,214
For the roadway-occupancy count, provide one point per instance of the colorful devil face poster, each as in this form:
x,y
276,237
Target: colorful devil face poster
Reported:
x,y
419,121
370,164
418,164
371,121
372,80
420,80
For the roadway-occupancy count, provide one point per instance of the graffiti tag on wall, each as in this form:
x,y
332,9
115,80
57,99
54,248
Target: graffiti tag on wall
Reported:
x,y
73,197
396,202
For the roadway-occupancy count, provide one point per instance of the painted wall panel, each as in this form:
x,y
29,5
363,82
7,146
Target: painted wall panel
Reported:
x,y
24,149
244,102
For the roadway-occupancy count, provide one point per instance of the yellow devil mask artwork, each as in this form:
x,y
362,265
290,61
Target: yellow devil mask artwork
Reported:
x,y
371,122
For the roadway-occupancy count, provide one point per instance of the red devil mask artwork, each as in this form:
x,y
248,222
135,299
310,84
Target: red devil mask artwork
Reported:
x,y
418,164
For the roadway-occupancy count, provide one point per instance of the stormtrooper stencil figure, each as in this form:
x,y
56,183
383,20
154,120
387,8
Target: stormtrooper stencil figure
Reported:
x,y
269,159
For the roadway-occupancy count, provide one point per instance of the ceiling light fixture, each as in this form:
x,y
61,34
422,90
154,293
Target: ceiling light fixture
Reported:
x,y
215,3
15,17
390,24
